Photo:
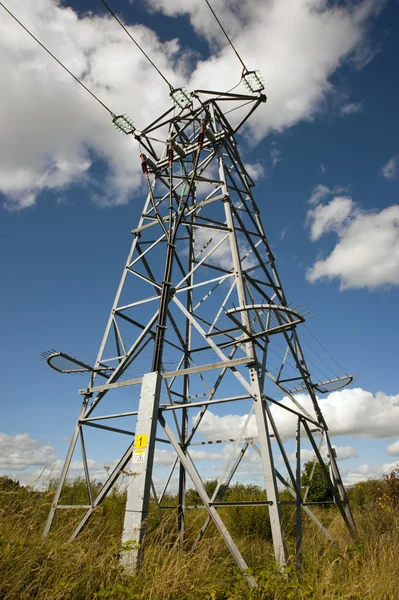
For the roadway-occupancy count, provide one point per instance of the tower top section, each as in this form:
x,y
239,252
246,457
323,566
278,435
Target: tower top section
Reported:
x,y
206,108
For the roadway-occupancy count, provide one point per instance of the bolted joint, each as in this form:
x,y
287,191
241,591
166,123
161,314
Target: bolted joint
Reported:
x,y
253,364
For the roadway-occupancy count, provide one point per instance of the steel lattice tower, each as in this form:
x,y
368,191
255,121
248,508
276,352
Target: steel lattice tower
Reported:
x,y
199,308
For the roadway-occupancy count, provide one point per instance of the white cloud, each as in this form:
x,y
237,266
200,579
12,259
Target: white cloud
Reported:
x,y
220,255
275,155
393,449
343,452
329,217
41,477
347,412
167,457
359,412
283,233
164,457
391,169
321,192
215,427
206,455
352,108
32,463
367,251
18,452
53,129
296,47
323,167
389,467
255,170
364,472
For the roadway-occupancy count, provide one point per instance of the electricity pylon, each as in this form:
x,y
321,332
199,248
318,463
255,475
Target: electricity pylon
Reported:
x,y
200,292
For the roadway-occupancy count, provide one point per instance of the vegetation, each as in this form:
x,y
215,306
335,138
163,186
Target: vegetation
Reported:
x,y
313,476
54,569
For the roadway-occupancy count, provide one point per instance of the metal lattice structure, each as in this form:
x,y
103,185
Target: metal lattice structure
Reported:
x,y
201,314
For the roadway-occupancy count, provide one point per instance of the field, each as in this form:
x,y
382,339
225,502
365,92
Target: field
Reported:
x,y
31,567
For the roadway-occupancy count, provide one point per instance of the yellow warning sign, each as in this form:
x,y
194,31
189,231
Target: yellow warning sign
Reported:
x,y
141,441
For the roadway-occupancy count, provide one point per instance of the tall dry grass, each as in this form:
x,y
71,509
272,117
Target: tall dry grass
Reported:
x,y
31,567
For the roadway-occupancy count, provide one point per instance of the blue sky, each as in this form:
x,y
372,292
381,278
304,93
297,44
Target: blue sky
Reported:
x,y
71,192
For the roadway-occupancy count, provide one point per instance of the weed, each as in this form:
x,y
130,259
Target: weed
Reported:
x,y
54,569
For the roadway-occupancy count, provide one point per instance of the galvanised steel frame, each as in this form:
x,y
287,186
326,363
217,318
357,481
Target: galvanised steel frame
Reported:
x,y
200,290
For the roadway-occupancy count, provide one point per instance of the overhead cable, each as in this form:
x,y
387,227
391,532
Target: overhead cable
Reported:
x,y
138,45
58,61
227,37
324,348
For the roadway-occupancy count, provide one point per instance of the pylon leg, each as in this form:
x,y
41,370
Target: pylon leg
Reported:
x,y
138,494
298,510
64,472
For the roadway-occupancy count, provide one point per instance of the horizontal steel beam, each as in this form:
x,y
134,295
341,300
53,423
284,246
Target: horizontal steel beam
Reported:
x,y
191,370
204,402
166,218
225,504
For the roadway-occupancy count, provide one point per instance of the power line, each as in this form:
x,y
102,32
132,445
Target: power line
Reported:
x,y
324,348
227,37
319,357
58,61
137,44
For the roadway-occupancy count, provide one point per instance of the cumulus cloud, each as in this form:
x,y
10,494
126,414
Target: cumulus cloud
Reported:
x,y
393,449
367,251
359,412
206,243
167,457
343,452
18,452
40,478
348,412
321,192
255,170
296,48
391,169
54,130
29,460
365,471
225,427
329,217
32,462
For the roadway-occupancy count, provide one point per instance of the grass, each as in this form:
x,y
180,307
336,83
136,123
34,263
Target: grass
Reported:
x,y
89,568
